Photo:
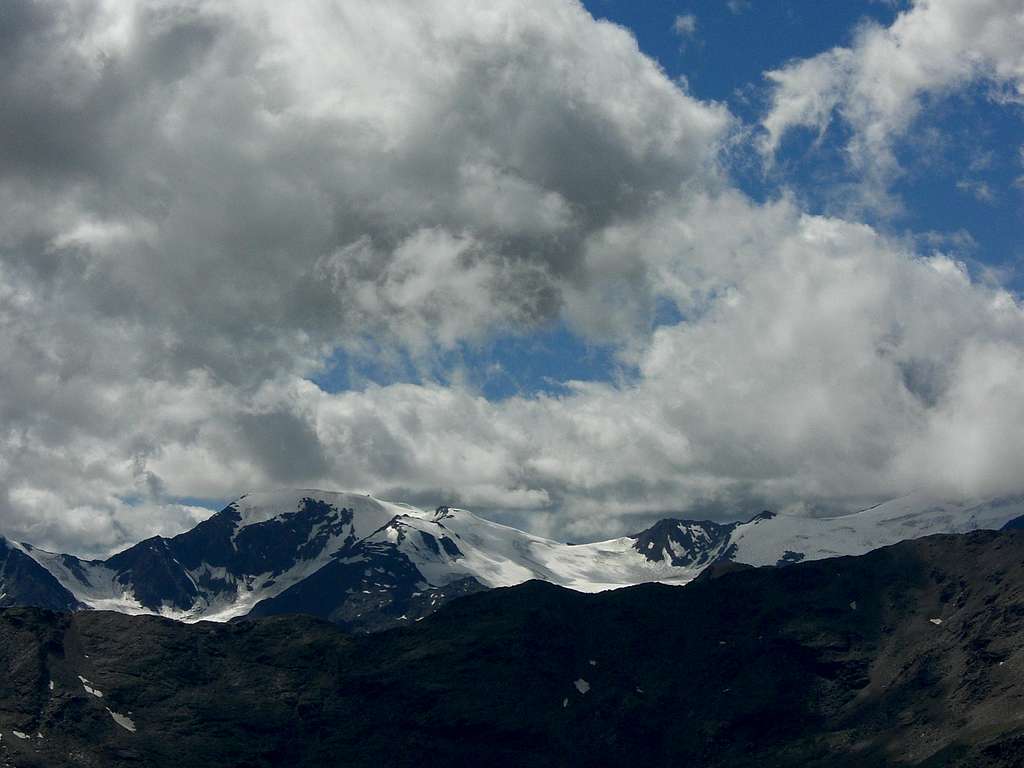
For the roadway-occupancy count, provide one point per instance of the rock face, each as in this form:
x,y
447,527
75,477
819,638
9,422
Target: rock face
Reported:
x,y
368,564
910,655
685,543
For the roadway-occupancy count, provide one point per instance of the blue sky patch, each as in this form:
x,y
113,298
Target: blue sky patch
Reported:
x,y
506,366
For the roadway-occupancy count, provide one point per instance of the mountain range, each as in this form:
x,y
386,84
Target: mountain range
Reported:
x,y
368,564
911,655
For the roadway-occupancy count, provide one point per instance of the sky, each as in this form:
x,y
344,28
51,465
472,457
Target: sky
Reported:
x,y
573,266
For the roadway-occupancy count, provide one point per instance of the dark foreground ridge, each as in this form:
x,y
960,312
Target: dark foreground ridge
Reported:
x,y
910,655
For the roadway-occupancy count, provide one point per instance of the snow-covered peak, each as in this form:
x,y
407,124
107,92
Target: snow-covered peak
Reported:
x,y
367,511
454,543
349,556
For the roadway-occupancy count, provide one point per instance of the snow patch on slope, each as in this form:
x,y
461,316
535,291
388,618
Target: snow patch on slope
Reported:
x,y
90,689
123,720
92,582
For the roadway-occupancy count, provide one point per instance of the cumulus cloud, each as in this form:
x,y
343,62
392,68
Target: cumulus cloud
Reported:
x,y
225,192
879,85
201,201
241,169
824,368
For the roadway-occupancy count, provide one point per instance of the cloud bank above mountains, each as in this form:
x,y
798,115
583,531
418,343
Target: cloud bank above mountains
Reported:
x,y
202,202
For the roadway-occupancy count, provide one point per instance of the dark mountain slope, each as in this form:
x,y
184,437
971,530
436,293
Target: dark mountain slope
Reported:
x,y
24,582
376,588
1017,524
913,655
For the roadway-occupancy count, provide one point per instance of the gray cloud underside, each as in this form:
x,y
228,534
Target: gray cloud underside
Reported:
x,y
199,202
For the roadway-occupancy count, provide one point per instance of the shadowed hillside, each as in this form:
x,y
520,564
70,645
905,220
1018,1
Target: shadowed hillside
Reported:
x,y
913,654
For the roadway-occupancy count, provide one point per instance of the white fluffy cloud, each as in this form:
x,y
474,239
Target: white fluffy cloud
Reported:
x,y
200,201
879,84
